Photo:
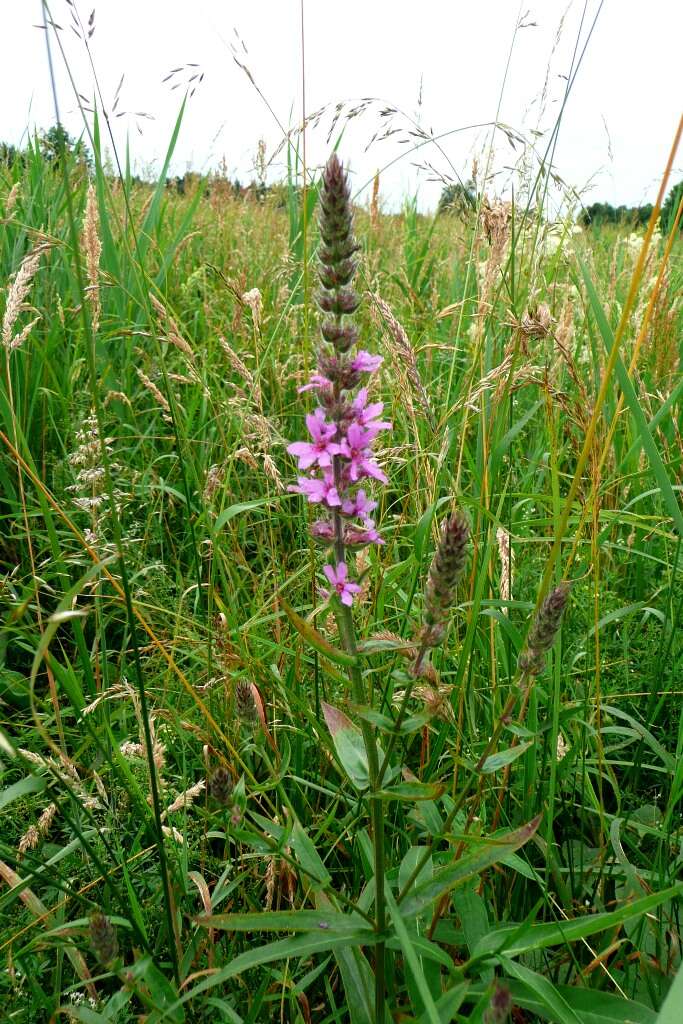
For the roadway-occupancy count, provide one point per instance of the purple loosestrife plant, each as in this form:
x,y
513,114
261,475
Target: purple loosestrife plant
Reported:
x,y
337,463
345,426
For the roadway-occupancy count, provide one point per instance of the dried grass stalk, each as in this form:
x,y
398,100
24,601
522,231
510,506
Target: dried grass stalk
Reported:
x,y
507,562
16,298
169,328
404,355
153,390
93,251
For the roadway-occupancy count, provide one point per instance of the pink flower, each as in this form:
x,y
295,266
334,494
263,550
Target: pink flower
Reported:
x,y
355,448
317,381
322,530
339,582
358,505
364,362
366,415
322,449
357,536
318,491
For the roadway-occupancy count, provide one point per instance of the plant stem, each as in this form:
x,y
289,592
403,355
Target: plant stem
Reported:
x,y
348,638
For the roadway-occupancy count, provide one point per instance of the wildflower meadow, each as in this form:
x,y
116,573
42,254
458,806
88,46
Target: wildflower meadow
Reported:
x,y
340,593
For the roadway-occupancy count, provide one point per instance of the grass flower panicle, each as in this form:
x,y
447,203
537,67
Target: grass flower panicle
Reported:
x,y
344,427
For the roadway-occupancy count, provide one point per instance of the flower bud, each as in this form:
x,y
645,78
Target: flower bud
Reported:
x,y
445,573
245,705
103,938
220,786
544,630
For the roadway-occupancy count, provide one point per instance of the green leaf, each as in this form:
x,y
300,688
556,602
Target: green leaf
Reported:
x,y
502,758
30,784
348,743
511,941
449,1003
544,990
297,946
155,991
412,791
490,852
308,857
236,510
589,1005
412,959
331,921
357,976
316,639
672,1008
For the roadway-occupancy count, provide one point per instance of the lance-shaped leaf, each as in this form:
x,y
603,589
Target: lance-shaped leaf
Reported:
x,y
316,639
331,921
348,742
411,791
514,940
471,864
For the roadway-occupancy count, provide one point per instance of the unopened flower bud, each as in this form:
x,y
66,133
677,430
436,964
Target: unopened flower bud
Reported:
x,y
103,938
445,573
500,1005
245,705
220,786
544,630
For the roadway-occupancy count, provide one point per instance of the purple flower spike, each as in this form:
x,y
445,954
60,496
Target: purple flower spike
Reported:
x,y
322,449
339,582
344,430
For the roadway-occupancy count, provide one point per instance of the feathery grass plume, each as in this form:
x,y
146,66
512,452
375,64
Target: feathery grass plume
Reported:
x,y
92,247
172,333
253,299
507,563
405,357
445,574
17,294
29,840
220,786
186,798
544,629
12,198
343,429
153,390
374,203
496,219
103,938
237,364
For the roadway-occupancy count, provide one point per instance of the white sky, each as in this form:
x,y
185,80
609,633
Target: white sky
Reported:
x,y
616,131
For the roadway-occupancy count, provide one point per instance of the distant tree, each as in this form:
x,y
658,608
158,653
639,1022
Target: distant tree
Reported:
x,y
670,208
457,197
10,155
605,213
56,141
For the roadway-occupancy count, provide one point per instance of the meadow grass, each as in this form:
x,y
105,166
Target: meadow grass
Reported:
x,y
184,837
